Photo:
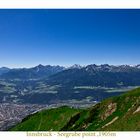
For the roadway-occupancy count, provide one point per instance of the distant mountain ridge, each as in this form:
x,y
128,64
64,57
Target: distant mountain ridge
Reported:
x,y
53,84
36,72
98,75
42,71
4,70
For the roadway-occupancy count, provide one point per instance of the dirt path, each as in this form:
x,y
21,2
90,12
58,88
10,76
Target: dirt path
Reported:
x,y
40,121
111,122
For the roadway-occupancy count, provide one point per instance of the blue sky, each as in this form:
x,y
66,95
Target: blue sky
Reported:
x,y
67,37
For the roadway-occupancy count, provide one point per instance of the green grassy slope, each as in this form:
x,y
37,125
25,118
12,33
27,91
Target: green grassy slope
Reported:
x,y
121,113
116,114
52,119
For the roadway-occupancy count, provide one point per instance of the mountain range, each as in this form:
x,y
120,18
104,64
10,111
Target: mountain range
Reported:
x,y
4,70
54,84
98,75
93,75
37,72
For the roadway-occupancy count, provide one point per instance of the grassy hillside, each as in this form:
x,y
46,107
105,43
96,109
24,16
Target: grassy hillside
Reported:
x,y
121,113
52,119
